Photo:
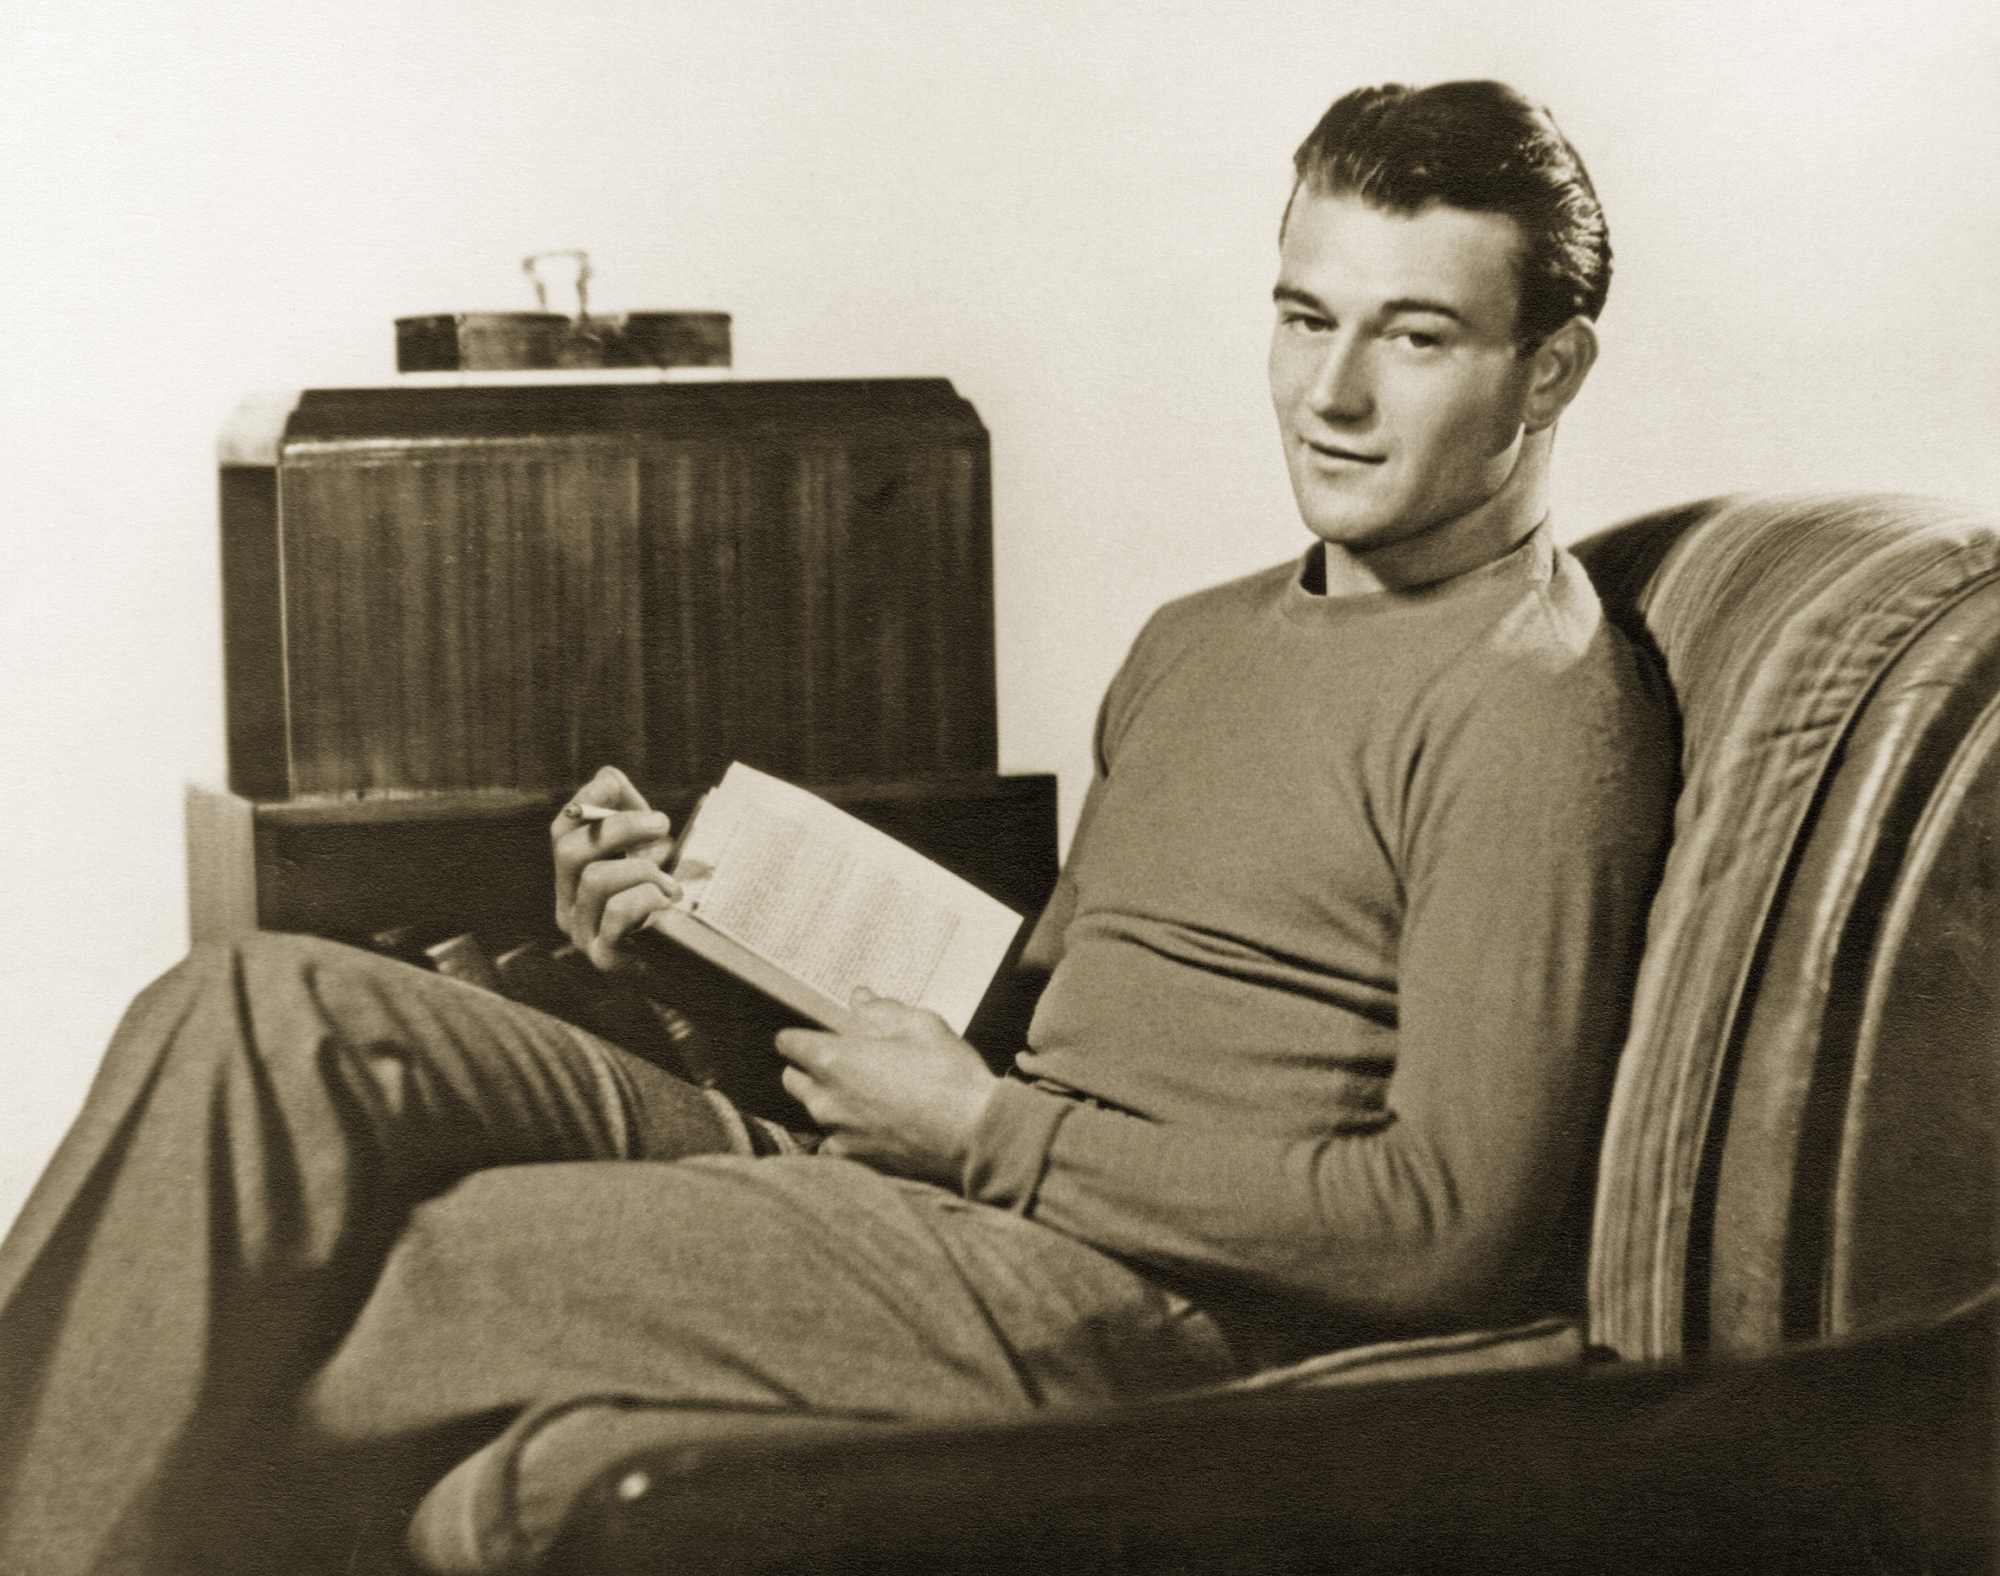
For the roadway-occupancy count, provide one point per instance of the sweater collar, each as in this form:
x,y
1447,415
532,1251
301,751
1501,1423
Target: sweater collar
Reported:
x,y
1526,566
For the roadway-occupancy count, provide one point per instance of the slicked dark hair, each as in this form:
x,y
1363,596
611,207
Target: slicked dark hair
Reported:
x,y
1479,146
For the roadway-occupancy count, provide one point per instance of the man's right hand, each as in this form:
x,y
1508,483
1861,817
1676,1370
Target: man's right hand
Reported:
x,y
608,875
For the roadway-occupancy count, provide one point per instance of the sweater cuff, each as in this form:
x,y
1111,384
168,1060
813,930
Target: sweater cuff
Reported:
x,y
1010,1144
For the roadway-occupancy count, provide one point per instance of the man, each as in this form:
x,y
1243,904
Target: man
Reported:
x,y
1335,979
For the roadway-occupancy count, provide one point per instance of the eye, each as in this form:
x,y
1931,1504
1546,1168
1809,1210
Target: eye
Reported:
x,y
1417,339
1303,322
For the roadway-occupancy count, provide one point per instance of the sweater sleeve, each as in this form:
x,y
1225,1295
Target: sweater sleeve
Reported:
x,y
1044,947
1530,843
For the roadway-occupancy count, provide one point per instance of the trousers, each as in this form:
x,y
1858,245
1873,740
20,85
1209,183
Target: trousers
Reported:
x,y
326,1224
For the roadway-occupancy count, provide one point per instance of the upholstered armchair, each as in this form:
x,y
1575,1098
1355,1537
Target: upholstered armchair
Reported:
x,y
1788,1356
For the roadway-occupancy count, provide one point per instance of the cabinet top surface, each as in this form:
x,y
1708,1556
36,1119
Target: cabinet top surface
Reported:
x,y
552,407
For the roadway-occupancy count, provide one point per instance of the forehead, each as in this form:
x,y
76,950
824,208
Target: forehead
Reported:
x,y
1347,252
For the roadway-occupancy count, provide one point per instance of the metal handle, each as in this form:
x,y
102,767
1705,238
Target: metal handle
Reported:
x,y
531,266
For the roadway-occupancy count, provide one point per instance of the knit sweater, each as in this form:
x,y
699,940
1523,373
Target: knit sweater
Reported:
x,y
1342,951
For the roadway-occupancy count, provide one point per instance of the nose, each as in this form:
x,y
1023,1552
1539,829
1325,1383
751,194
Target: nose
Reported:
x,y
1341,389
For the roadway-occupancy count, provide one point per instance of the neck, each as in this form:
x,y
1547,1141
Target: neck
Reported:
x,y
1487,531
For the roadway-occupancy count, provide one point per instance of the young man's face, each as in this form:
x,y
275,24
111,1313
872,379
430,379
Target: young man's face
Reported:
x,y
1393,366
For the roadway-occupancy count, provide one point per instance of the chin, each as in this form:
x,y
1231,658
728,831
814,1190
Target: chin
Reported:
x,y
1349,516
1350,528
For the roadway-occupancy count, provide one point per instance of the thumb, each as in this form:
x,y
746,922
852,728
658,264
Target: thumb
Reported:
x,y
879,1014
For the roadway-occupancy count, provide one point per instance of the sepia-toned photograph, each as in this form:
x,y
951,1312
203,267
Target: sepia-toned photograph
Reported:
x,y
1049,786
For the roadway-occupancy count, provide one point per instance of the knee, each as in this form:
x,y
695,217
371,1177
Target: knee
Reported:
x,y
262,955
487,1238
259,993
269,967
500,1212
470,1289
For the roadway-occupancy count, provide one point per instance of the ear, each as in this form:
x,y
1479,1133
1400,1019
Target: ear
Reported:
x,y
1556,370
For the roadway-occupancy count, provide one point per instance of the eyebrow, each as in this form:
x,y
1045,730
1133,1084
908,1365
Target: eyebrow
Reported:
x,y
1404,304
1285,294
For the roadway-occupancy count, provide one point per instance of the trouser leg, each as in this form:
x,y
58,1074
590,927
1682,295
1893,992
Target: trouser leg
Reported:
x,y
264,1121
725,1296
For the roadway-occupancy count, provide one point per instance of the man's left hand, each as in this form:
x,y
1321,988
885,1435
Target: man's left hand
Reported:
x,y
900,1092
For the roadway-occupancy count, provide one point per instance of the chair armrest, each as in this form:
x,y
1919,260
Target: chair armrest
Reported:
x,y
500,1508
1838,1455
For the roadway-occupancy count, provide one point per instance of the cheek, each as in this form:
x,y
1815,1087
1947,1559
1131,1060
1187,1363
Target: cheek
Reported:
x,y
1288,369
1465,426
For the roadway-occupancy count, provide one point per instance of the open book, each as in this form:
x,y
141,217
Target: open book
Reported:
x,y
804,902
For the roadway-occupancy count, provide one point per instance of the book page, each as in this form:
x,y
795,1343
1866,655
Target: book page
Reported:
x,y
835,903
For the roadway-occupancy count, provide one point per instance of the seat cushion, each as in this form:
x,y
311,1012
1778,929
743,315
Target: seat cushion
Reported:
x,y
1546,1343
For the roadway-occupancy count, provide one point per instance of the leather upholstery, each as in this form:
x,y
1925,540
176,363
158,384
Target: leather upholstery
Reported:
x,y
1870,1458
1823,686
1912,1218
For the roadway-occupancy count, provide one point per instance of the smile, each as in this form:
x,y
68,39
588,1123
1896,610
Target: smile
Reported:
x,y
1328,451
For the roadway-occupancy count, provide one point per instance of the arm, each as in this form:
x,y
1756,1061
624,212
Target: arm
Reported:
x,y
903,1093
1526,884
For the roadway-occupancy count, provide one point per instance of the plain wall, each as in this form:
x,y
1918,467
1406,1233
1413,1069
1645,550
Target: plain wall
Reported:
x,y
1069,209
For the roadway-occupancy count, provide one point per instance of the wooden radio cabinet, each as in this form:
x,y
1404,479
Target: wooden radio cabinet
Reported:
x,y
506,586
447,605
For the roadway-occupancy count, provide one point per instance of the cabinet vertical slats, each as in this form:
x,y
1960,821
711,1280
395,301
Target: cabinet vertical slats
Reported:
x,y
461,619
436,589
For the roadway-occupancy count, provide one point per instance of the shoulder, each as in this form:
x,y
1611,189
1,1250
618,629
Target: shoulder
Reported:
x,y
1552,692
1183,628
1552,653
1553,734
1212,611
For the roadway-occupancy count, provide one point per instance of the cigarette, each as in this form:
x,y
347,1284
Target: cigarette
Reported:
x,y
589,812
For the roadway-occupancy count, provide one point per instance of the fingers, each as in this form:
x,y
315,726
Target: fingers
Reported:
x,y
623,914
812,1055
630,835
800,1086
612,896
892,1019
633,829
816,1053
810,1051
604,879
610,789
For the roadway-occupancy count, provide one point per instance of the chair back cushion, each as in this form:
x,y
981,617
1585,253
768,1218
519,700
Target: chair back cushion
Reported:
x,y
1799,1138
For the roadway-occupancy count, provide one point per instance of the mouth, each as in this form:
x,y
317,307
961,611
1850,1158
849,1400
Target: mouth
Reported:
x,y
1333,451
